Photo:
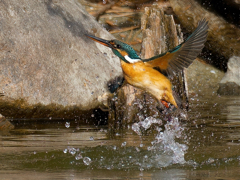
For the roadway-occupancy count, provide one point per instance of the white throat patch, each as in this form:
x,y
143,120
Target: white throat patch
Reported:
x,y
131,60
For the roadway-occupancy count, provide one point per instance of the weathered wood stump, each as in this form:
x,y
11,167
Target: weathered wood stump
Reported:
x,y
160,33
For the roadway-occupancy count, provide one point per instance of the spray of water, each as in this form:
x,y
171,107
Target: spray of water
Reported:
x,y
165,148
163,151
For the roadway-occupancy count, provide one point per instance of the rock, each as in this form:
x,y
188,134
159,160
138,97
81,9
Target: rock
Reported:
x,y
46,58
5,125
230,83
202,79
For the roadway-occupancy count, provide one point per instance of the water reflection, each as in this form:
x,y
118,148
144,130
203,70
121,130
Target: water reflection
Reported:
x,y
81,148
212,134
164,174
22,140
233,111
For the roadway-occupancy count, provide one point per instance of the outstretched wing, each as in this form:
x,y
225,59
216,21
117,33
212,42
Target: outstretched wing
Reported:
x,y
182,55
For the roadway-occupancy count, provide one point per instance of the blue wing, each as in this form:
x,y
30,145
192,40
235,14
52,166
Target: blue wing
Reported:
x,y
182,55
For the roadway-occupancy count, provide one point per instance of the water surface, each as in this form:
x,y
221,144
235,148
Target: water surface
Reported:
x,y
205,147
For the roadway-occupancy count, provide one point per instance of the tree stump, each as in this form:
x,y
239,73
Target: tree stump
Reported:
x,y
160,33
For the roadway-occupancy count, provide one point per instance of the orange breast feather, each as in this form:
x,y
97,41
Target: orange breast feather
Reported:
x,y
145,77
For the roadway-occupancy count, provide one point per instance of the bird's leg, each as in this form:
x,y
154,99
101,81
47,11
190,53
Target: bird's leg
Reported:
x,y
166,109
162,108
165,103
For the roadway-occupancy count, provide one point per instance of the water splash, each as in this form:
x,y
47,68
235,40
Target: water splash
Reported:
x,y
166,141
146,124
163,151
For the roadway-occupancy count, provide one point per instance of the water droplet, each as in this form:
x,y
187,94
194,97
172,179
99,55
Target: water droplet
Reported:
x,y
114,147
91,138
123,144
141,169
72,151
78,156
238,158
65,151
67,124
87,161
210,161
136,128
137,149
149,148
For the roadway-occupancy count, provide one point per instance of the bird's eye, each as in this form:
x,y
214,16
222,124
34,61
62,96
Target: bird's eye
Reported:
x,y
117,46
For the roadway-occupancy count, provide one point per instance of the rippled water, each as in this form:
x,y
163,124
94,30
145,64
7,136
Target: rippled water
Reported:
x,y
205,147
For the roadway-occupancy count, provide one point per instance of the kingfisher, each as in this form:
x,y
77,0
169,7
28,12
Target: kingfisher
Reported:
x,y
152,75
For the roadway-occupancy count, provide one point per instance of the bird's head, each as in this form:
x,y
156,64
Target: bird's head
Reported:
x,y
122,50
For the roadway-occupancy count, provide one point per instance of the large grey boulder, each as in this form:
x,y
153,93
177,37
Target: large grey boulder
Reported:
x,y
45,57
230,83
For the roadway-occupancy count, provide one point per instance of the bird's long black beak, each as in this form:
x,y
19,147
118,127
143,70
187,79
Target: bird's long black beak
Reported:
x,y
101,41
